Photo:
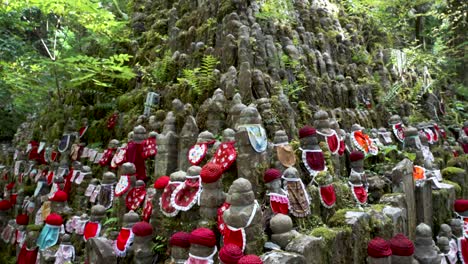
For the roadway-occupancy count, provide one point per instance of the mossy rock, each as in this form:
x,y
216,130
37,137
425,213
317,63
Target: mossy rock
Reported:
x,y
442,203
459,176
336,244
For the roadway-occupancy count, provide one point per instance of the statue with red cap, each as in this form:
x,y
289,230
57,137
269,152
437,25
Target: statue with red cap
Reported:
x,y
379,251
212,196
142,246
312,155
402,250
180,245
230,254
277,201
357,177
202,246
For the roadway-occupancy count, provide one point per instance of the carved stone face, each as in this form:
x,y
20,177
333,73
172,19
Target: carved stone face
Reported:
x,y
142,250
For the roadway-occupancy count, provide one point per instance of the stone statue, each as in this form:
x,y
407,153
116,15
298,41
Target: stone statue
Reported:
x,y
216,112
284,156
299,202
212,196
93,227
125,237
134,152
202,246
425,248
180,245
379,252
243,217
397,127
358,178
268,117
282,230
187,138
402,250
312,155
126,182
166,160
236,109
203,150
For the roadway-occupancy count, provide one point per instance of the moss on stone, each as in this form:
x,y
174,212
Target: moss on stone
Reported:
x,y
34,228
458,189
339,218
449,171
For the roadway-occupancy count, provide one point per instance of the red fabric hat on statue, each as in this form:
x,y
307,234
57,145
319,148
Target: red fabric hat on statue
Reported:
x,y
161,182
230,254
378,248
59,196
180,239
460,205
54,219
203,236
5,205
211,172
401,245
250,259
271,175
356,155
142,229
22,219
307,131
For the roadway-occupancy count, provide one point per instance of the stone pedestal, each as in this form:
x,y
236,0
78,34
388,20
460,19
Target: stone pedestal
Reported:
x,y
423,195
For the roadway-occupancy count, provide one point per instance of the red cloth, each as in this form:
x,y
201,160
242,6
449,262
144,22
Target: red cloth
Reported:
x,y
50,176
180,239
307,131
27,256
122,240
147,210
33,155
315,160
220,220
165,203
333,143
13,197
135,155
112,121
401,245
211,172
250,259
91,230
22,219
161,182
378,248
5,205
327,195
279,203
68,181
271,175
356,155
342,149
149,148
234,236
463,245
10,186
225,155
142,229
187,194
59,196
135,197
465,147
54,219
230,254
360,194
460,205
203,236
107,157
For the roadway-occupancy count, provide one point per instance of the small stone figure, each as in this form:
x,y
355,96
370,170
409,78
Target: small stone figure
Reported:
x,y
402,249
202,246
425,248
277,200
187,138
361,141
106,193
282,230
166,160
384,136
325,133
230,254
299,202
177,178
125,237
186,195
136,195
357,177
446,256
236,109
180,245
143,254
396,125
284,156
212,196
126,182
156,216
226,154
109,153
134,152
379,251
269,119
66,251
312,156
451,254
216,112
50,232
29,250
59,203
93,227
202,150
243,217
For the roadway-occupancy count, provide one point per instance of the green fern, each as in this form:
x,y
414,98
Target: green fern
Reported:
x,y
201,80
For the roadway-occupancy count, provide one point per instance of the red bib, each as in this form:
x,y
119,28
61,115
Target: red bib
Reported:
x,y
359,193
135,197
279,203
342,147
27,256
313,161
327,195
186,195
149,148
123,241
165,201
91,230
148,208
463,247
221,224
398,132
122,186
225,155
333,141
197,153
107,157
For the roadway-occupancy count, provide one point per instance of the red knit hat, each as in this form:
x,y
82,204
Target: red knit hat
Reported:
x,y
211,172
54,219
180,239
22,219
271,175
307,131
142,229
401,245
378,248
460,205
59,196
5,205
356,155
161,182
250,259
230,254
203,236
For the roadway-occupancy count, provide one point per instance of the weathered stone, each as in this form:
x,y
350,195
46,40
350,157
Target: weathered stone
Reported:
x,y
425,248
423,195
187,138
275,257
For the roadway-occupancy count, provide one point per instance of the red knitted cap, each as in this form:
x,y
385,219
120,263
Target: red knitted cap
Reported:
x,y
203,236
250,259
230,254
59,196
54,219
5,205
271,175
22,219
142,229
307,131
401,245
180,239
161,182
211,172
460,205
356,155
378,248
